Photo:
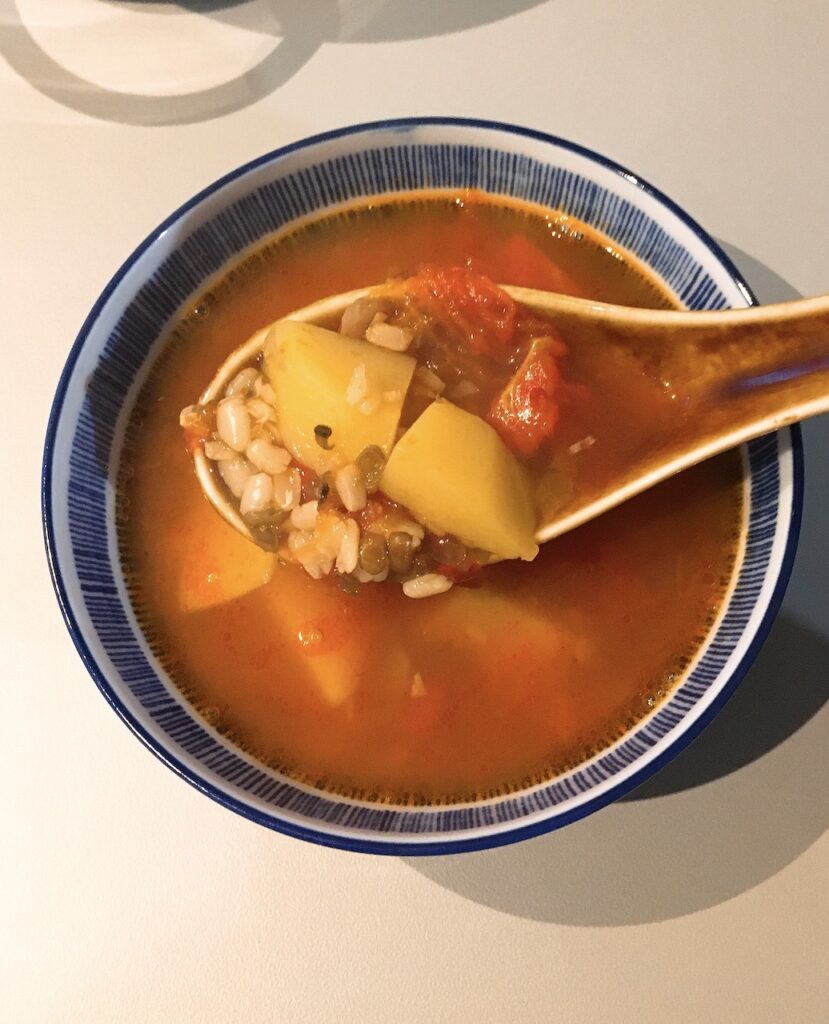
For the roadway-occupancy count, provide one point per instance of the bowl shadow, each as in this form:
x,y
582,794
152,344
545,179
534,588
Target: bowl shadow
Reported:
x,y
298,29
701,832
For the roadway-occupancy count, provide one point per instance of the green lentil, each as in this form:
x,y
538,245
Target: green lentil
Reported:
x,y
401,551
371,462
374,557
450,551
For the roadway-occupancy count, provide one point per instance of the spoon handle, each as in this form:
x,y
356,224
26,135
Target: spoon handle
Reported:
x,y
734,374
762,363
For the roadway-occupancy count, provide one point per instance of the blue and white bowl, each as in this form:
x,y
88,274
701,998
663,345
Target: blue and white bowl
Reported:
x,y
120,340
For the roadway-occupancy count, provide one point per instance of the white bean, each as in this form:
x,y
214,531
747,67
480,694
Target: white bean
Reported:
x,y
427,586
305,516
235,473
304,549
263,390
267,457
190,416
388,336
350,487
233,423
260,410
242,383
257,493
287,490
328,534
218,451
269,432
349,551
315,564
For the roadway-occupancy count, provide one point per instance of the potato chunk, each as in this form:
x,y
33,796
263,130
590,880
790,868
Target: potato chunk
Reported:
x,y
324,378
217,566
455,475
328,652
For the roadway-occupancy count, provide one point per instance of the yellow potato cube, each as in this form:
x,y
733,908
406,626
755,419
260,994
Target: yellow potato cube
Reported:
x,y
454,473
306,613
323,378
217,565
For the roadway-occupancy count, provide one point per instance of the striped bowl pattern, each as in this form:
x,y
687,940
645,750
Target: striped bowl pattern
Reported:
x,y
120,340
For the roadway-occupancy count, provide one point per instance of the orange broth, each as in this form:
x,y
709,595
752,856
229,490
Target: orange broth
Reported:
x,y
478,691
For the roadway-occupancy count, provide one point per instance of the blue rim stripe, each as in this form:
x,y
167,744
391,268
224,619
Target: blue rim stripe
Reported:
x,y
426,846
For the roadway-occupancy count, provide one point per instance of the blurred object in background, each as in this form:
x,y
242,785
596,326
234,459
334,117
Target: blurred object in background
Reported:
x,y
154,62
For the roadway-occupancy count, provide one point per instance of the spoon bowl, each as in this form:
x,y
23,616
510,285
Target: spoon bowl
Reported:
x,y
735,374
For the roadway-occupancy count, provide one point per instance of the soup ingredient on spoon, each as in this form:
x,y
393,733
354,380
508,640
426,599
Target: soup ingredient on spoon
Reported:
x,y
371,457
352,388
448,453
526,412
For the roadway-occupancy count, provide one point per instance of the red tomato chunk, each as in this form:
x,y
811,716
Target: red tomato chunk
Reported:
x,y
479,311
525,414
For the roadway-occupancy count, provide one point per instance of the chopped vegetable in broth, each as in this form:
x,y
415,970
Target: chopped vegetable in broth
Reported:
x,y
406,451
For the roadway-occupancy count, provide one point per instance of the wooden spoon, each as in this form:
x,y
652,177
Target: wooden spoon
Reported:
x,y
741,373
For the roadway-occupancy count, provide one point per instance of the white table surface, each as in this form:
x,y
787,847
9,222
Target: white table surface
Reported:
x,y
128,896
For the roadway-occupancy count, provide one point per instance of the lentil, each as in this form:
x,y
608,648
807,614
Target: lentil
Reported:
x,y
401,551
374,558
371,462
449,551
351,488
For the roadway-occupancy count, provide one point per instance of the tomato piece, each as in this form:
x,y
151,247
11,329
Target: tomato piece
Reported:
x,y
480,312
525,414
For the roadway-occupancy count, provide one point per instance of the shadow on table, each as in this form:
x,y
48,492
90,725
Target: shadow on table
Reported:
x,y
299,28
645,860
742,802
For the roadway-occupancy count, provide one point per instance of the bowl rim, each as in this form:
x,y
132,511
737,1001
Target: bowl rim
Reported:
x,y
370,844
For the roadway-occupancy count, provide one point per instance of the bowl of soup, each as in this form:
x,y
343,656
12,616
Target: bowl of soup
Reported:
x,y
313,694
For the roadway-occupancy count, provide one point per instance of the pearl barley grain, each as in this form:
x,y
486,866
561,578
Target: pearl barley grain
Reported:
x,y
257,493
233,423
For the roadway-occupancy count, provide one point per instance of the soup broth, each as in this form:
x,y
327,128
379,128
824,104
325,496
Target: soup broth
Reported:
x,y
486,688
